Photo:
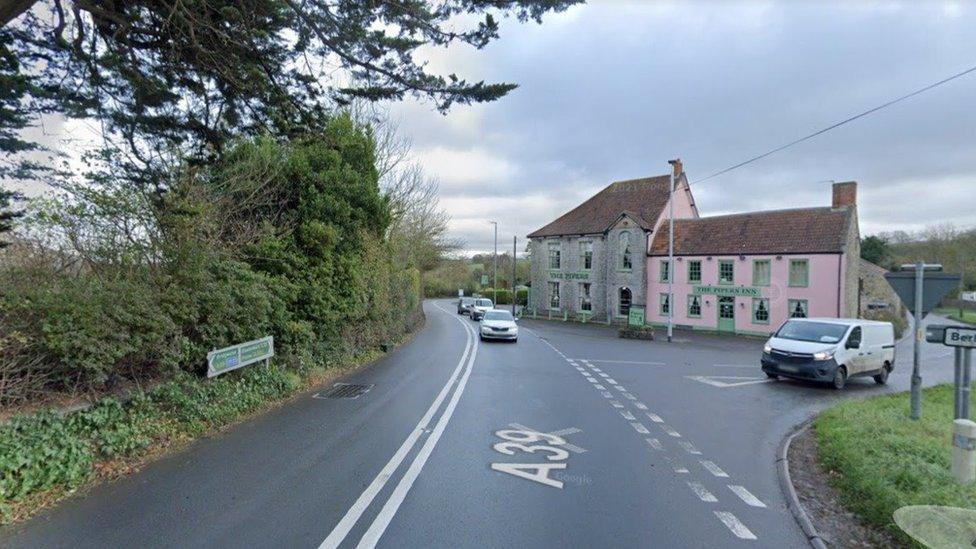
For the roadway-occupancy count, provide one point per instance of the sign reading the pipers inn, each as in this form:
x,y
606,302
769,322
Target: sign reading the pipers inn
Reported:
x,y
238,356
569,276
747,291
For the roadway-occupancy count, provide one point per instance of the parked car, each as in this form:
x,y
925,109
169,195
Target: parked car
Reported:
x,y
831,350
464,305
499,324
480,307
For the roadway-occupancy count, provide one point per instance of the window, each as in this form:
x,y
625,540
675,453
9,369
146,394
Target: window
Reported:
x,y
553,295
625,298
625,253
694,272
554,255
854,340
586,255
760,310
665,271
797,308
799,272
694,306
725,271
665,304
585,301
760,272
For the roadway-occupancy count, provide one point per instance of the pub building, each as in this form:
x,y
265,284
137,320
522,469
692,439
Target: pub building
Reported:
x,y
742,273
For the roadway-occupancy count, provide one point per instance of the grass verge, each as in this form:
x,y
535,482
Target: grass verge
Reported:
x,y
879,460
46,456
966,316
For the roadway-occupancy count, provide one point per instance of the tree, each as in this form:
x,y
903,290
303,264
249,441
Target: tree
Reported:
x,y
875,249
190,76
7,213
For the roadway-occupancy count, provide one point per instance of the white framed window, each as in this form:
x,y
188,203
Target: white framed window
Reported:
x,y
799,273
553,295
760,310
626,253
726,271
797,308
554,255
761,270
665,270
585,299
665,304
694,306
586,254
694,272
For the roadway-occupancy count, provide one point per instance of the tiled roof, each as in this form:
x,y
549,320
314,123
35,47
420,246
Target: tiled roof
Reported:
x,y
641,199
803,230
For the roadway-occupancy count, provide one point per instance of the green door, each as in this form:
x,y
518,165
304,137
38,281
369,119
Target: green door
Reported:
x,y
726,314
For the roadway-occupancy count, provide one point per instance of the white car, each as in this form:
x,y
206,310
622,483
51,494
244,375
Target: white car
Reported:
x,y
499,324
831,350
480,307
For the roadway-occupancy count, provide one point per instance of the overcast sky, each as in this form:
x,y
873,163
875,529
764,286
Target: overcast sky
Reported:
x,y
613,89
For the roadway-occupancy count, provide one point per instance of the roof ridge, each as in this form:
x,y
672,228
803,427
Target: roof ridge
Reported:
x,y
758,212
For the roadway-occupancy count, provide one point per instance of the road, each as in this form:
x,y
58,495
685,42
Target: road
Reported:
x,y
569,438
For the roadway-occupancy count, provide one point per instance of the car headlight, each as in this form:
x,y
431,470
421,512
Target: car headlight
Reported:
x,y
767,348
823,355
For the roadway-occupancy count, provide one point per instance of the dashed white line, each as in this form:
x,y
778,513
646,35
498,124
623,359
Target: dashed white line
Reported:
x,y
689,447
600,387
681,470
620,388
654,417
738,529
714,469
625,362
639,427
628,395
746,496
671,432
616,404
702,492
611,381
627,415
640,405
603,374
607,394
655,443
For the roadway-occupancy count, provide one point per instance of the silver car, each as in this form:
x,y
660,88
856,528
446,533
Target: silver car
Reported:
x,y
498,324
464,305
480,307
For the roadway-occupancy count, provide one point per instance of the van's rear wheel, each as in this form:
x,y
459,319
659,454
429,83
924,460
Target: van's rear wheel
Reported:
x,y
840,378
771,375
882,377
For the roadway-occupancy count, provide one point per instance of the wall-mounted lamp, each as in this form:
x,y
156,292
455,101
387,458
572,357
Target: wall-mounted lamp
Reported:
x,y
679,259
779,257
709,258
742,258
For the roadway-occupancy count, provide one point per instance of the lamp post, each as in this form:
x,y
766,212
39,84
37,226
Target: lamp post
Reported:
x,y
494,267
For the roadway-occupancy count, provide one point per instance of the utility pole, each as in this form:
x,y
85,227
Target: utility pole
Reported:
x,y
514,271
675,165
916,384
494,268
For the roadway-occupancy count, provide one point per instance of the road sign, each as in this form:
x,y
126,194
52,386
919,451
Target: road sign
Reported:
x,y
936,286
484,280
958,336
636,316
230,358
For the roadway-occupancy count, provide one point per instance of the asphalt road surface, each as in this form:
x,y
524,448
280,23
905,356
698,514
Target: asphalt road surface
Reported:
x,y
569,438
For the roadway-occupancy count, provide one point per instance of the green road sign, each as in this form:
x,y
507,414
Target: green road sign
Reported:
x,y
237,356
484,280
636,316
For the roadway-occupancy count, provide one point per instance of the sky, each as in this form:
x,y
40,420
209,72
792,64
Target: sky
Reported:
x,y
612,90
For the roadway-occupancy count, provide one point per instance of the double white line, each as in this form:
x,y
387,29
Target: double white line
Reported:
x,y
457,381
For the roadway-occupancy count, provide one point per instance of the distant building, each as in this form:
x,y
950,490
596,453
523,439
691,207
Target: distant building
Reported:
x,y
743,273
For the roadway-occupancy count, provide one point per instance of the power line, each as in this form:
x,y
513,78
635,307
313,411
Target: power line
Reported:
x,y
838,124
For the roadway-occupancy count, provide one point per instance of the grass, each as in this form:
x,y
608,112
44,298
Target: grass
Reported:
x,y
967,316
880,460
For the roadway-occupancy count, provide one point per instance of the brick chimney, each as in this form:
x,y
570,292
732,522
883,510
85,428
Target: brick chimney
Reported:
x,y
677,167
845,194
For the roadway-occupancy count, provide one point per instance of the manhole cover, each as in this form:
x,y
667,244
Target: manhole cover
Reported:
x,y
344,390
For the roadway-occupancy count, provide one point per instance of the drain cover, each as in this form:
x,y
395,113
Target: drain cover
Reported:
x,y
344,390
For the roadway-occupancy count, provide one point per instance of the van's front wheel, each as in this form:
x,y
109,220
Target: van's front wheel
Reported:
x,y
882,377
840,378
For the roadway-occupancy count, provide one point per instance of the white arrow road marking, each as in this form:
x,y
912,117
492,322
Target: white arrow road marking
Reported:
x,y
733,524
735,381
714,469
746,496
702,493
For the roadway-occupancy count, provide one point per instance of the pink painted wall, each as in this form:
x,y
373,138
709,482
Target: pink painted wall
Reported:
x,y
821,293
683,208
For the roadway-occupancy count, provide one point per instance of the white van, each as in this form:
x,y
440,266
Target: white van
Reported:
x,y
831,350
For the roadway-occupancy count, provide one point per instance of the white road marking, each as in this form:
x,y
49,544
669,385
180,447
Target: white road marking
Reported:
x,y
628,395
595,369
667,429
620,388
559,433
640,406
714,469
600,387
627,415
386,514
624,362
689,447
639,427
654,417
655,443
681,470
611,381
607,394
616,404
738,529
716,381
746,496
602,374
702,493
752,366
364,500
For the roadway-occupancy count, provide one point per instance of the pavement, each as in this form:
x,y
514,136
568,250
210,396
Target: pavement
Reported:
x,y
570,437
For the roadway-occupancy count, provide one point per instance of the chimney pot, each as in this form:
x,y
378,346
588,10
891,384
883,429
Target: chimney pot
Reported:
x,y
845,194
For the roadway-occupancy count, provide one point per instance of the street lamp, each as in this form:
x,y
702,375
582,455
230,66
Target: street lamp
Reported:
x,y
494,268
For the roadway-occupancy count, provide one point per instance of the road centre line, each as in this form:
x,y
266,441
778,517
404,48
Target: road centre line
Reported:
x,y
738,529
639,427
386,514
713,469
702,492
627,415
689,447
348,521
746,496
654,417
